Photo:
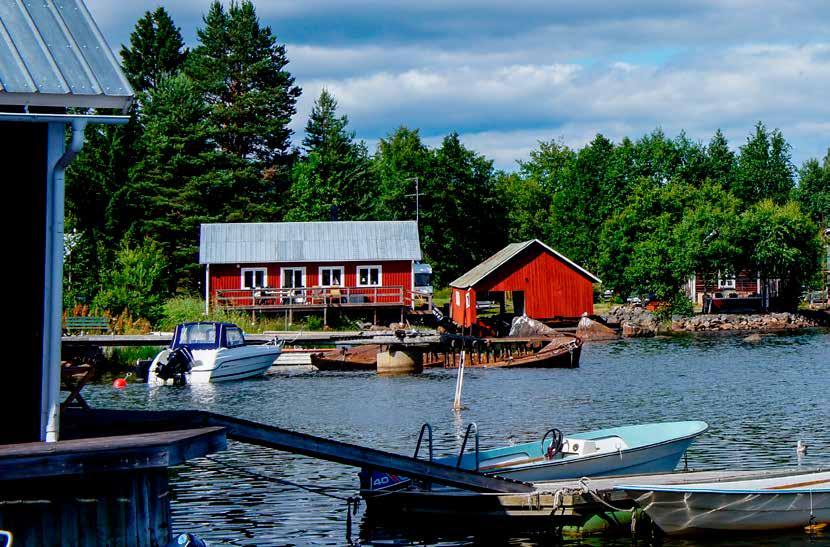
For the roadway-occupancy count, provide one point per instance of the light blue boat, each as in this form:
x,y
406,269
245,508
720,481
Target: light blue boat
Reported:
x,y
626,450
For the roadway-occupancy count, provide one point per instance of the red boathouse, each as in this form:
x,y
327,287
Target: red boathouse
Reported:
x,y
541,283
310,266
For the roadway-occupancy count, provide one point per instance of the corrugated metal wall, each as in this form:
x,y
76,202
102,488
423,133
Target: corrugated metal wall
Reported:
x,y
552,288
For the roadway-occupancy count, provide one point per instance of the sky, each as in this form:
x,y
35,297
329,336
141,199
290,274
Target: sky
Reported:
x,y
507,74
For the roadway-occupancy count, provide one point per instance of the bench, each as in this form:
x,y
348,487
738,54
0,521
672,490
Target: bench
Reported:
x,y
87,324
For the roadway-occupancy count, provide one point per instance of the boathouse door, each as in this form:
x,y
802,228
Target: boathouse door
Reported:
x,y
518,302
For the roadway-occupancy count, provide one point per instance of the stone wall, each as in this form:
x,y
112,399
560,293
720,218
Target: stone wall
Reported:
x,y
636,321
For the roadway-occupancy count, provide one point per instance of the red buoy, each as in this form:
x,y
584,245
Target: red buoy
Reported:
x,y
119,383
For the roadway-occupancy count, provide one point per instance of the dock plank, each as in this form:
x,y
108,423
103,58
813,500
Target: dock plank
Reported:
x,y
110,453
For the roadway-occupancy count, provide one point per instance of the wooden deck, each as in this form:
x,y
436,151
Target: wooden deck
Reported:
x,y
318,298
107,454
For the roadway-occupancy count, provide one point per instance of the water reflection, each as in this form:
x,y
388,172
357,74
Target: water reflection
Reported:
x,y
759,400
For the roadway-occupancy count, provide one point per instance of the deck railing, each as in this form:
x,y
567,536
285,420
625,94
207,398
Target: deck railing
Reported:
x,y
316,297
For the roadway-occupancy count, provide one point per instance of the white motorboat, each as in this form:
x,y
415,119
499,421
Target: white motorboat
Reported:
x,y
210,351
625,450
792,500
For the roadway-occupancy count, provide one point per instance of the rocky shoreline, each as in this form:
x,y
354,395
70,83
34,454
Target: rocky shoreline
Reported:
x,y
636,321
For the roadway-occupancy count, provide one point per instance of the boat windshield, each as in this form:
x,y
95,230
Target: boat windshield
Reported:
x,y
197,334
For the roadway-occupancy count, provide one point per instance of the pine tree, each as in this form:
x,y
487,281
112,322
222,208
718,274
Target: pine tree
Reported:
x,y
240,68
173,187
156,50
334,180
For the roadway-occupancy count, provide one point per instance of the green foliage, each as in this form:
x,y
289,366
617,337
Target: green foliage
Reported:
x,y
334,179
401,157
764,168
461,213
156,50
133,284
780,242
813,191
240,67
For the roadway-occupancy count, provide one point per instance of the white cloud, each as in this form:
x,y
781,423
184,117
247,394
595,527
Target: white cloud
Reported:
x,y
503,110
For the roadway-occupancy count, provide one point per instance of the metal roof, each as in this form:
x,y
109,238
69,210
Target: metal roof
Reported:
x,y
309,242
478,273
53,54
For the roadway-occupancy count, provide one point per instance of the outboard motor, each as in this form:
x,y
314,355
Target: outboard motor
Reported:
x,y
175,366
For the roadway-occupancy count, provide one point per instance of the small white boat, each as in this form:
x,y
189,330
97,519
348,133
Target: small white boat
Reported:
x,y
626,450
209,351
793,500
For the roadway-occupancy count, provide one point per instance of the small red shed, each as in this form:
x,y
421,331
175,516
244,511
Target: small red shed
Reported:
x,y
541,283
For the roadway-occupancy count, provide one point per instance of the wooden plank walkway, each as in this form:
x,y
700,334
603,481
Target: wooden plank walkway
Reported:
x,y
108,454
103,422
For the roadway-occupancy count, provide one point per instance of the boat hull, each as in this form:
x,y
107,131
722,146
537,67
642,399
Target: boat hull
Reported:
x,y
661,458
224,365
751,506
241,363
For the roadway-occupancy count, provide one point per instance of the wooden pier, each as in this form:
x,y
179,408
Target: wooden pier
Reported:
x,y
96,491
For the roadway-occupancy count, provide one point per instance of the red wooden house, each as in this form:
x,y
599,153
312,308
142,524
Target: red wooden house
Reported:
x,y
540,282
310,266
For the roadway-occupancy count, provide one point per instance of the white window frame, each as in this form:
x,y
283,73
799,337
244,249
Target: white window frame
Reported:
x,y
369,277
320,276
292,268
727,283
254,270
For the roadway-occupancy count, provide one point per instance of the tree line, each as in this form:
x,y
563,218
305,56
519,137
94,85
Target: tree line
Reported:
x,y
209,141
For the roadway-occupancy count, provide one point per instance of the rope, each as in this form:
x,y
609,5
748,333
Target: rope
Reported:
x,y
586,489
352,502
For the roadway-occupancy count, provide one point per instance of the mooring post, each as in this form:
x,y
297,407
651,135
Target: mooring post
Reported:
x,y
459,382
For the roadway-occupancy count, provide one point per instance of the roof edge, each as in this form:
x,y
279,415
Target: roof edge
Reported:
x,y
521,246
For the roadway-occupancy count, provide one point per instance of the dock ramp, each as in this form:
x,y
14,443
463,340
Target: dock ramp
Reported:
x,y
100,422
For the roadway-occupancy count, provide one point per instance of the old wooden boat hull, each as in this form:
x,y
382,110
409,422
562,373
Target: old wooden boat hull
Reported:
x,y
791,501
358,358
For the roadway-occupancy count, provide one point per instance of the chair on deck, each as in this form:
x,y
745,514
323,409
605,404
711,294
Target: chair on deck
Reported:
x,y
73,378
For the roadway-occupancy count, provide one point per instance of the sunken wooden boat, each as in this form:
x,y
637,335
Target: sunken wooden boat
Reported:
x,y
561,350
356,358
558,351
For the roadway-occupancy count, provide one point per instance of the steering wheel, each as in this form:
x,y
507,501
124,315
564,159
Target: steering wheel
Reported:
x,y
556,441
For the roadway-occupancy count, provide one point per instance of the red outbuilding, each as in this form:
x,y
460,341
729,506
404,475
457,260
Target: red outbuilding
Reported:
x,y
539,281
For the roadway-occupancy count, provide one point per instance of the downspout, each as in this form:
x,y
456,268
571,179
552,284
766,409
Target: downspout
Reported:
x,y
50,408
207,289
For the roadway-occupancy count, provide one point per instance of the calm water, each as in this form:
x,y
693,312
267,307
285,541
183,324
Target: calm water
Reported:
x,y
759,399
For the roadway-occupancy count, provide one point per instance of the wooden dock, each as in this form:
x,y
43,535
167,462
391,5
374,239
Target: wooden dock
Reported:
x,y
96,491
549,506
298,338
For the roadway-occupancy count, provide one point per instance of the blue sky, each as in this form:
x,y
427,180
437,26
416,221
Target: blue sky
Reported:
x,y
505,75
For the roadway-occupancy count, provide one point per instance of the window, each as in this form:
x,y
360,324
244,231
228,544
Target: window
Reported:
x,y
254,278
726,282
423,280
331,276
233,337
368,276
292,278
198,333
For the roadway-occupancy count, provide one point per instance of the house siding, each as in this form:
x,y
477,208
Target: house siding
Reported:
x,y
396,273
